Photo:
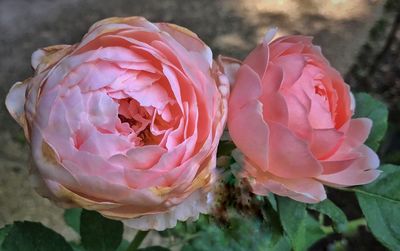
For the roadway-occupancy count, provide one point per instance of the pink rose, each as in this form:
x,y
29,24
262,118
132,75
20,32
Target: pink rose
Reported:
x,y
126,122
290,116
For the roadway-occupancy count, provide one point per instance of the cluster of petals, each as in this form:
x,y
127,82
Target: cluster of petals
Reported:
x,y
126,122
290,117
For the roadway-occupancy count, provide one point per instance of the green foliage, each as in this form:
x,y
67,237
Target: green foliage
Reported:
x,y
240,234
329,209
367,106
380,203
32,236
299,226
99,233
271,218
123,246
3,234
72,218
76,247
154,248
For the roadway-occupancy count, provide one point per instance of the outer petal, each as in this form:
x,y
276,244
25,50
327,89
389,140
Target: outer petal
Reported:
x,y
15,102
362,171
188,39
48,56
190,208
229,67
257,60
358,132
304,190
247,88
250,138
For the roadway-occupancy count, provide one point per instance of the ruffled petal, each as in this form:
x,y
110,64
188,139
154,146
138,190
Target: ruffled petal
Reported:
x,y
15,102
361,171
303,190
190,208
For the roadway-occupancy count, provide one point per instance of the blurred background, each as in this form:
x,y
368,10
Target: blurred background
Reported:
x,y
359,37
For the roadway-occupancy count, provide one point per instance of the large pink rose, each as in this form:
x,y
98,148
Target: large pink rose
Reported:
x,y
290,116
126,122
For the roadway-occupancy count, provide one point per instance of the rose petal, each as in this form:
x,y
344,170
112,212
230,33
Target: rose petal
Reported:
x,y
257,60
247,88
361,171
289,156
250,138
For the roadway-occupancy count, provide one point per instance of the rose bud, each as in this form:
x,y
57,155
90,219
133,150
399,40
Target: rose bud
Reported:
x,y
126,122
290,117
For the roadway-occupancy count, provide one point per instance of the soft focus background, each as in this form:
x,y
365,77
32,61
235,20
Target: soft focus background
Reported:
x,y
359,37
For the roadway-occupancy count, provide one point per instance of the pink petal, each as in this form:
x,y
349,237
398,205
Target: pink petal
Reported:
x,y
102,111
257,60
289,156
335,166
274,104
358,132
247,88
303,190
298,116
292,67
15,102
325,142
229,67
249,132
104,145
362,171
188,39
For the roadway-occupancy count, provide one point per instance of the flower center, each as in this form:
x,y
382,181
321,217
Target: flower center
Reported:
x,y
320,90
135,119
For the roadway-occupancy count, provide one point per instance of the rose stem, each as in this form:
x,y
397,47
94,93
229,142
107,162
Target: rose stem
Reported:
x,y
352,227
139,237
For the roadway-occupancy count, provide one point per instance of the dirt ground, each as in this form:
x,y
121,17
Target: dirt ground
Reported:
x,y
231,27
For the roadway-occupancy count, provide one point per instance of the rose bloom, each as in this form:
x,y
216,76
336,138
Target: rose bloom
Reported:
x,y
126,122
290,117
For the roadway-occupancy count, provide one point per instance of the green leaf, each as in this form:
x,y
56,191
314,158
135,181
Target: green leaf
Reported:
x,y
299,226
336,214
272,201
380,203
283,244
72,217
99,233
313,231
76,246
3,233
271,219
240,234
367,106
123,246
154,248
33,236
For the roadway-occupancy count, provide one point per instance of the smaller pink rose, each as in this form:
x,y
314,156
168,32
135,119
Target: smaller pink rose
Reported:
x,y
290,116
